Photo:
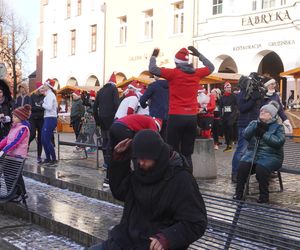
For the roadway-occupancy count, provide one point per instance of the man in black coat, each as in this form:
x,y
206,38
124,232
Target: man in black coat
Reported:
x,y
105,108
163,208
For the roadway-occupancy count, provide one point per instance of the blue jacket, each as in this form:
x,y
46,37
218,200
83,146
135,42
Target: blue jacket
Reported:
x,y
248,109
158,96
270,149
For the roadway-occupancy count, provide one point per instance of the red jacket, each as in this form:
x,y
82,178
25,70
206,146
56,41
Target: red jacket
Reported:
x,y
183,89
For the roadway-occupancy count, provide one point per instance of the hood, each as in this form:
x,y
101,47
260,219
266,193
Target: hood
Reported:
x,y
163,83
187,68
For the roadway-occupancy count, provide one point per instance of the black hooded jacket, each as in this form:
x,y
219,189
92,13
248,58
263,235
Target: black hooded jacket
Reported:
x,y
165,201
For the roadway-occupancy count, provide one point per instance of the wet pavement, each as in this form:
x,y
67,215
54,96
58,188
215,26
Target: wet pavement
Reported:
x,y
86,220
16,233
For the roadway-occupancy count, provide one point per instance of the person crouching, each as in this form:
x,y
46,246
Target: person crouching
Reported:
x,y
268,136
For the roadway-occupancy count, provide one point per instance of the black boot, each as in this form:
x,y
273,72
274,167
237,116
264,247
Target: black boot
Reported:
x,y
262,176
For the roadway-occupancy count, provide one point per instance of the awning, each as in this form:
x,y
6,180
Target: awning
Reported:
x,y
211,80
293,72
228,77
142,81
67,90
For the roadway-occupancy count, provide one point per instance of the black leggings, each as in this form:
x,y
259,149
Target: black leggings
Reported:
x,y
181,134
36,125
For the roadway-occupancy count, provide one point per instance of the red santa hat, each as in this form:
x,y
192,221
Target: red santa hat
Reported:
x,y
112,78
92,94
182,56
76,93
38,85
50,83
201,89
227,85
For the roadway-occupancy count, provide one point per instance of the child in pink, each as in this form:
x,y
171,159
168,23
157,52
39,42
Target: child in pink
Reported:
x,y
15,144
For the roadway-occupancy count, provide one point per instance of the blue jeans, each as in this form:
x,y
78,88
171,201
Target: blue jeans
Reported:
x,y
49,125
239,151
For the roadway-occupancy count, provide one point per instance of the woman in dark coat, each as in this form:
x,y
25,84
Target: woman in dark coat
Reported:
x,y
269,154
5,109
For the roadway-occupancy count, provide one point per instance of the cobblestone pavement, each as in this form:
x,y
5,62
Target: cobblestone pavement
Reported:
x,y
16,233
85,173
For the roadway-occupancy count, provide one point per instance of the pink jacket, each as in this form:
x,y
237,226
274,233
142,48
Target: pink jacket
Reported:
x,y
16,148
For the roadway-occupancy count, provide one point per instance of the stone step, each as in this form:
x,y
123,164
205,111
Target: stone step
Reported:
x,y
82,219
20,234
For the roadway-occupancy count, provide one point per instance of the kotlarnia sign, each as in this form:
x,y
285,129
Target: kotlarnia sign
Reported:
x,y
266,18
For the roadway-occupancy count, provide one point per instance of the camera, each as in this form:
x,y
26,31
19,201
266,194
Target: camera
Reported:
x,y
252,83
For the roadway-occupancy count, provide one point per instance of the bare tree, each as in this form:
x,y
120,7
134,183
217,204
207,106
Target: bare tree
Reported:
x,y
14,37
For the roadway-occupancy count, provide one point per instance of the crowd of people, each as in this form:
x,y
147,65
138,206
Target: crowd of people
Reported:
x,y
148,138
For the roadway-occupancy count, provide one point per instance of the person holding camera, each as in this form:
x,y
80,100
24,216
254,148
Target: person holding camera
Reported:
x,y
248,111
265,151
163,207
183,105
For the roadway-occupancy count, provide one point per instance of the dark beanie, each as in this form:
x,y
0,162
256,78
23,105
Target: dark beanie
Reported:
x,y
147,144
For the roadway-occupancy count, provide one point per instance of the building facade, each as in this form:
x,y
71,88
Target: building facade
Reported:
x,y
251,36
71,42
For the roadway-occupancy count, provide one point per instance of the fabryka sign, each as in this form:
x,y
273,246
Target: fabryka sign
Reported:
x,y
267,18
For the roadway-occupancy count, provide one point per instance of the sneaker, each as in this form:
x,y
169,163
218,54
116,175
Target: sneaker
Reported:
x,y
52,162
39,160
263,200
105,183
216,147
77,149
228,149
91,150
46,161
237,197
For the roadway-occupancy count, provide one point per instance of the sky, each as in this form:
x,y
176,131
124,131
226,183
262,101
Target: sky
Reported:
x,y
28,12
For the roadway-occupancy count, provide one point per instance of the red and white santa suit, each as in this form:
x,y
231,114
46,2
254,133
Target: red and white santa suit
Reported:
x,y
207,105
129,104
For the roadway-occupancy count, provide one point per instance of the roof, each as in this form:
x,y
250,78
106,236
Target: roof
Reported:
x,y
211,79
292,72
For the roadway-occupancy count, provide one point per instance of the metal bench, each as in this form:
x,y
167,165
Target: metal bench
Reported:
x,y
291,163
10,171
244,225
79,144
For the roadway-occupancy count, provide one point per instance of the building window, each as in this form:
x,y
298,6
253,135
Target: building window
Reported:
x,y
217,7
283,2
148,24
73,42
78,7
122,30
93,37
54,45
178,17
254,5
68,8
268,4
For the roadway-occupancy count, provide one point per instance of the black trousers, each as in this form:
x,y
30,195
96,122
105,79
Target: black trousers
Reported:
x,y
262,176
216,130
228,131
181,134
76,124
36,126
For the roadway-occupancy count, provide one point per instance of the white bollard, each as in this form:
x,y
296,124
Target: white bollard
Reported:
x,y
204,160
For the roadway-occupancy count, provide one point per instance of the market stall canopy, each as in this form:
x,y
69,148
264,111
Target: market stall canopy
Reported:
x,y
293,72
139,80
67,90
211,80
227,77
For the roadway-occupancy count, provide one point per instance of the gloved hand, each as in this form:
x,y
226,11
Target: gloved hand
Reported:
x,y
256,95
155,52
261,128
1,153
122,150
194,51
288,129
